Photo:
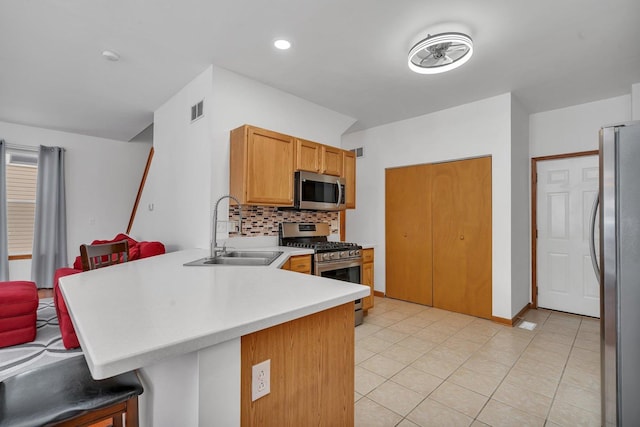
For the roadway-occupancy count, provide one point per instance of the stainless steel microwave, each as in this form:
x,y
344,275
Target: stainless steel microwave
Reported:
x,y
319,192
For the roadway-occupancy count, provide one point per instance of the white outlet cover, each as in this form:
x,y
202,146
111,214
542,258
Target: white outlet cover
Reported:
x,y
260,380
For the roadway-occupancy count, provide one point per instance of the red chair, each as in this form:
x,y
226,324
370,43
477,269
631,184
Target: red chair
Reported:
x,y
134,251
18,307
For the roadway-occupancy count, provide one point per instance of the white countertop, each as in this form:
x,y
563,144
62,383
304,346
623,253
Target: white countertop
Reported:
x,y
134,314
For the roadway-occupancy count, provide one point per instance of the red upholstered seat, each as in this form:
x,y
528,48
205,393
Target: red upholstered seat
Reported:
x,y
136,250
69,338
18,307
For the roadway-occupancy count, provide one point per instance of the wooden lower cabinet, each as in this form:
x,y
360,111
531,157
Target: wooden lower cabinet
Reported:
x,y
298,263
367,277
312,371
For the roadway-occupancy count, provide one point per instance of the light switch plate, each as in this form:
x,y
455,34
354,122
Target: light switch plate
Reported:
x,y
260,379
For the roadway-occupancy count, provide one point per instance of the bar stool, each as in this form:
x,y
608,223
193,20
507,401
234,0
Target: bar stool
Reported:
x,y
64,394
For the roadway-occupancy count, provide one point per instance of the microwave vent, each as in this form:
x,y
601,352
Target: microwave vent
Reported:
x,y
359,152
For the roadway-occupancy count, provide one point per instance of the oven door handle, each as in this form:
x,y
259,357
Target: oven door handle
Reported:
x,y
321,267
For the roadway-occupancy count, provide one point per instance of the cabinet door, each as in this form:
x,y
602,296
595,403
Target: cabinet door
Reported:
x,y
349,173
308,156
270,163
300,264
367,279
331,161
408,233
461,192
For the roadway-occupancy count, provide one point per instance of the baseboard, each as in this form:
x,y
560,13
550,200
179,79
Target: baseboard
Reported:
x,y
501,320
511,322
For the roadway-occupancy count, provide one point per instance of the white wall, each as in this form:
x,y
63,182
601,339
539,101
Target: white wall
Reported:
x,y
102,178
174,204
520,209
190,169
471,130
575,128
635,101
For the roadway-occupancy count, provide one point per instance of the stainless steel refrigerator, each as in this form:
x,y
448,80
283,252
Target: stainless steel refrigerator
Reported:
x,y
619,273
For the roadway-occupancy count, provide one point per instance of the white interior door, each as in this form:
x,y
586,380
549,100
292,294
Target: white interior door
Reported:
x,y
566,190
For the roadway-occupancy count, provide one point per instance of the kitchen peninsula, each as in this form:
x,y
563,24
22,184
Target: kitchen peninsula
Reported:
x,y
195,332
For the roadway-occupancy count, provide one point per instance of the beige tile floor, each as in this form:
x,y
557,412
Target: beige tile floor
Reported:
x,y
421,366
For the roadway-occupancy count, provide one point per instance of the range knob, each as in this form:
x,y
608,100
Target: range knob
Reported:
x,y
344,254
326,256
352,253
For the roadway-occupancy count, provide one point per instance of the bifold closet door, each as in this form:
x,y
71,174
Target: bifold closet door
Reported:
x,y
408,233
461,215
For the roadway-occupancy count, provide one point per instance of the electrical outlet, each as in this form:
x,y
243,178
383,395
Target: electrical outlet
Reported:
x,y
233,226
260,379
221,227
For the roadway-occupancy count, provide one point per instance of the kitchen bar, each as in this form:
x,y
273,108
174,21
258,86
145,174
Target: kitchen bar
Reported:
x,y
182,326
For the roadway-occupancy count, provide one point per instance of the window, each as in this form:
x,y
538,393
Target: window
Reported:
x,y
22,171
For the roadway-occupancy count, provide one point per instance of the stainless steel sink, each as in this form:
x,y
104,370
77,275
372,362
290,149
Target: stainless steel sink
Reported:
x,y
256,258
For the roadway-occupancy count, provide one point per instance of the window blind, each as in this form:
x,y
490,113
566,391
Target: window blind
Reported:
x,y
21,205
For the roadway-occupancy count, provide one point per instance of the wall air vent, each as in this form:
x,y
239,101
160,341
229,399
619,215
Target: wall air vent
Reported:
x,y
197,111
359,152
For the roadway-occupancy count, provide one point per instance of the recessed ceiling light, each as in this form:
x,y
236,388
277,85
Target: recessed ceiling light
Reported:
x,y
282,44
110,55
439,53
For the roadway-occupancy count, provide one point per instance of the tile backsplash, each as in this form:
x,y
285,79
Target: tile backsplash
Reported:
x,y
264,220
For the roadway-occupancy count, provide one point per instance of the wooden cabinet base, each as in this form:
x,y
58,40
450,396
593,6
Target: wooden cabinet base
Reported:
x,y
312,371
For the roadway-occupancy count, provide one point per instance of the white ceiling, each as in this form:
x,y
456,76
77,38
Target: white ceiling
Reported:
x,y
347,55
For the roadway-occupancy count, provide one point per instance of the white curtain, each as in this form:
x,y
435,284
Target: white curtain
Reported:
x,y
50,228
4,238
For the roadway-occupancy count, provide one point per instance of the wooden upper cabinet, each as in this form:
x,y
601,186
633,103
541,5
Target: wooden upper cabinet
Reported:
x,y
331,161
318,158
262,163
349,174
308,155
261,166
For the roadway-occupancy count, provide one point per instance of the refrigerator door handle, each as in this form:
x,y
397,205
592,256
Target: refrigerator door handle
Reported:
x,y
592,239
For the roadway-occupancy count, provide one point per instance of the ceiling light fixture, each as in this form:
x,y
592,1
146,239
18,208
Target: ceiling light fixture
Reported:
x,y
282,44
110,55
440,52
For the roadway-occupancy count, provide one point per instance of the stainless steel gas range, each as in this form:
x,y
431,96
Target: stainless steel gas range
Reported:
x,y
334,260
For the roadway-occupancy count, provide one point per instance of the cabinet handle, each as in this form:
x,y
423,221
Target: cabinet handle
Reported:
x,y
461,237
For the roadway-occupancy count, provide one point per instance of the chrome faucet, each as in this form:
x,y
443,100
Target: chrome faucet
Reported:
x,y
214,232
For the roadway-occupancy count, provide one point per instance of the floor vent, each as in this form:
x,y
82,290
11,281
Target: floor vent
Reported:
x,y
197,111
530,326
